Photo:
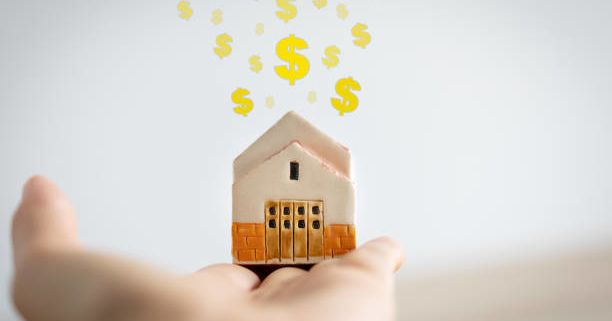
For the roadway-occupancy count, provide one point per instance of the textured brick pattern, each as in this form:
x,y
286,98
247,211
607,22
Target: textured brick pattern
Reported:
x,y
339,239
248,242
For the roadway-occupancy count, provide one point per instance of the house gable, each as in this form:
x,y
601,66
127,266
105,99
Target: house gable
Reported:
x,y
293,127
271,180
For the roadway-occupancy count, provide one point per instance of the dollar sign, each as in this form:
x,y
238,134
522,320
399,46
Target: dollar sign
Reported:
x,y
259,28
285,49
256,65
269,102
364,37
312,96
216,19
349,100
331,53
186,12
245,104
342,12
289,10
320,3
224,49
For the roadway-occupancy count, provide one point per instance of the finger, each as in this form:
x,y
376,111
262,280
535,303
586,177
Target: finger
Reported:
x,y
278,278
231,275
44,221
382,255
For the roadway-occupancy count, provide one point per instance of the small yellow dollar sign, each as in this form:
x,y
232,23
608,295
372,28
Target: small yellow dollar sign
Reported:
x,y
185,10
342,12
312,97
359,32
255,63
245,104
259,28
269,102
289,10
216,19
331,53
224,49
320,3
349,101
285,49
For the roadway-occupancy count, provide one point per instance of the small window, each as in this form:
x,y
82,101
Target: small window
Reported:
x,y
287,224
316,225
272,211
301,224
294,171
272,223
301,210
286,210
315,210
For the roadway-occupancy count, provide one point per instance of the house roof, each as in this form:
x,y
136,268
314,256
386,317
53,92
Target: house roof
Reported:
x,y
291,128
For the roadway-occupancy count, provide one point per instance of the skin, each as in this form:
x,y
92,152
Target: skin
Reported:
x,y
56,279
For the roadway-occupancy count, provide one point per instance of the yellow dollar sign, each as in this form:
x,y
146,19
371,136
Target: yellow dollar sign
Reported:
x,y
245,104
255,63
224,49
359,32
320,3
342,12
289,10
331,53
216,19
349,101
285,49
312,96
259,28
269,102
186,12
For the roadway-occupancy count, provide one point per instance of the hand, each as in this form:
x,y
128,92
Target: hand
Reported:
x,y
56,279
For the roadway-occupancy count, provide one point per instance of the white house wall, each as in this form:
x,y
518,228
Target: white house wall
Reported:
x,y
270,181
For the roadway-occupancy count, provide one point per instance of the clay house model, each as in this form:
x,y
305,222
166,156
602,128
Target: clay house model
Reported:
x,y
293,197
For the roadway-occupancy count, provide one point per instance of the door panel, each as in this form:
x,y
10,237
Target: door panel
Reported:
x,y
300,232
315,231
286,231
272,234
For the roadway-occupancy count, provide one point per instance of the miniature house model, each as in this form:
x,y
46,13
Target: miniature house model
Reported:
x,y
293,198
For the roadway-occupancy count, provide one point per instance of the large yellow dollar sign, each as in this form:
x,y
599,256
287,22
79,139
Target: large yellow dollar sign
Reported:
x,y
349,101
216,19
359,32
342,12
331,53
255,63
285,49
224,49
320,3
186,12
245,104
289,10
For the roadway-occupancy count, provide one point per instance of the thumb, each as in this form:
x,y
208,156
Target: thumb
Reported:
x,y
43,222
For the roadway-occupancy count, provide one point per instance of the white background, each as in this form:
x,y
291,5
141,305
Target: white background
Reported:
x,y
483,131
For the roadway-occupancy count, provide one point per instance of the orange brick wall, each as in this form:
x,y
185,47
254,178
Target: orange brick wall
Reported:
x,y
248,242
339,239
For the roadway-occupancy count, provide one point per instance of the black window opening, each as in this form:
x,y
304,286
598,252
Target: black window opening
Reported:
x,y
286,210
315,210
301,210
272,223
301,224
316,225
294,171
272,211
287,224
